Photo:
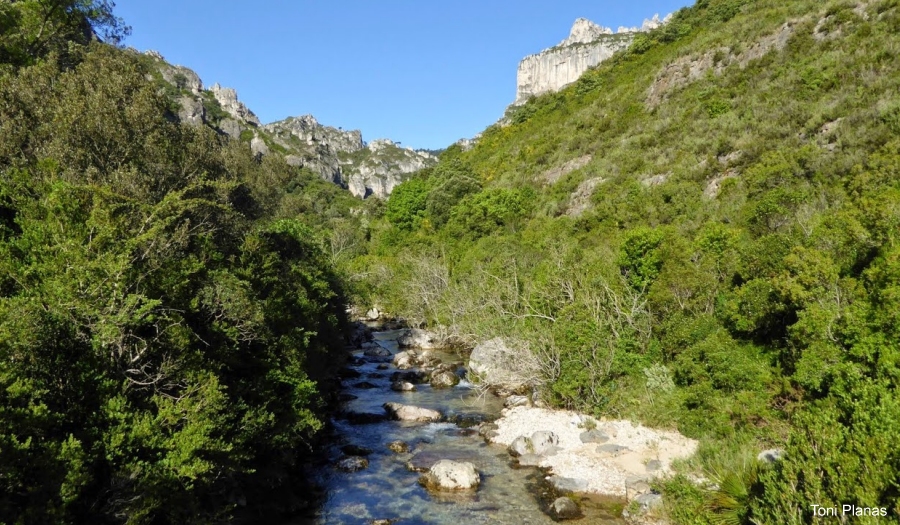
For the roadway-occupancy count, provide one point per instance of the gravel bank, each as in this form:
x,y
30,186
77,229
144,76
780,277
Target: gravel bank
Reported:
x,y
648,453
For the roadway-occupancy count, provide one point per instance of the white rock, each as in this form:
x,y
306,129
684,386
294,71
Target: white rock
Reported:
x,y
543,440
503,363
565,509
452,476
417,338
411,413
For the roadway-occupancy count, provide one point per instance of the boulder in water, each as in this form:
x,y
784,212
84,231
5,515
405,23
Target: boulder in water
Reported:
x,y
448,475
403,386
411,413
352,464
398,447
377,351
444,379
565,509
405,360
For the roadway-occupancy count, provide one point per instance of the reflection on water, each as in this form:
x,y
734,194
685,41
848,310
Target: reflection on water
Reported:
x,y
387,489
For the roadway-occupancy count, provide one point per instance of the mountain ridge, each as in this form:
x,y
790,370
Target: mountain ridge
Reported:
x,y
342,157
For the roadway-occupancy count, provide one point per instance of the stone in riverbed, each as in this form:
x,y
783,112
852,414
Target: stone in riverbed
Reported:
x,y
403,386
417,338
565,509
517,401
444,379
593,436
377,352
543,440
398,447
352,464
569,484
411,413
468,419
612,449
410,376
448,475
405,360
648,502
365,385
520,446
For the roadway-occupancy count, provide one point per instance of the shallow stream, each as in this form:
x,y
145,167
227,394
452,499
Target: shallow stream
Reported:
x,y
388,490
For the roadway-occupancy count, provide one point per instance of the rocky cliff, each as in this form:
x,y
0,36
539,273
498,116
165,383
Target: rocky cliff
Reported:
x,y
342,157
587,45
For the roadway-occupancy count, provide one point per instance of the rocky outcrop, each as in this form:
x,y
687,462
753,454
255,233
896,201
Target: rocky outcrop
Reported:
x,y
342,157
687,69
334,154
384,167
587,45
228,99
557,67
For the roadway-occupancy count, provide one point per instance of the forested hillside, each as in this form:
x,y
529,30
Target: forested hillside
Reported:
x,y
169,323
701,233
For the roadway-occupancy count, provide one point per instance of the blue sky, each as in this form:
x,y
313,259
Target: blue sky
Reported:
x,y
421,72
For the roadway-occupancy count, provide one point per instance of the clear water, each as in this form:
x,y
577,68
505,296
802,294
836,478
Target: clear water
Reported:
x,y
388,490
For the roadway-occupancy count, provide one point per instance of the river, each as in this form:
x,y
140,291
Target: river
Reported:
x,y
388,490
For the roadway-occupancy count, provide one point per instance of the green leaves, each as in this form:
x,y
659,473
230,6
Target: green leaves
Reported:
x,y
163,341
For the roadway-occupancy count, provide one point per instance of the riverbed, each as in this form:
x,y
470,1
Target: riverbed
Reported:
x,y
387,488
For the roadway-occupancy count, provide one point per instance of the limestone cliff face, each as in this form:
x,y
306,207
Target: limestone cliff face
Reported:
x,y
587,45
336,155
383,167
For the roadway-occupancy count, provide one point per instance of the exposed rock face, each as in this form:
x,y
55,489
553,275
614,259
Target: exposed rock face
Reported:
x,y
687,69
192,111
557,67
342,157
180,76
336,155
587,45
384,168
228,99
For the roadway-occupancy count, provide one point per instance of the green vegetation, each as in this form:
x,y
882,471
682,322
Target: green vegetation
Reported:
x,y
170,323
736,273
726,263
